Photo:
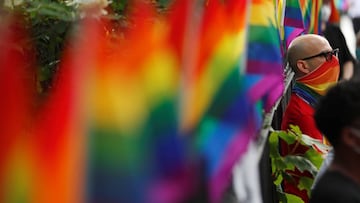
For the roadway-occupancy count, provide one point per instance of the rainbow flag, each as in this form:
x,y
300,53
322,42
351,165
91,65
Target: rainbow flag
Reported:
x,y
335,13
315,24
17,85
134,144
148,114
291,33
216,107
342,5
108,131
264,60
280,17
306,6
293,14
311,15
294,26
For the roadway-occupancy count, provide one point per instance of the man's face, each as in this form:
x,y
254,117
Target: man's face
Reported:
x,y
314,48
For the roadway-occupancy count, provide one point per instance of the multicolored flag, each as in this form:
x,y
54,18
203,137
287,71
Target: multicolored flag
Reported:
x,y
169,107
17,86
293,14
264,60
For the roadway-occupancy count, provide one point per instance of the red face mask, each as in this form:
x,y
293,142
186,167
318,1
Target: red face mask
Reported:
x,y
323,77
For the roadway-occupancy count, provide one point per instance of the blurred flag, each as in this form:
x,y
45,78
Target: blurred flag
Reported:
x,y
293,14
17,84
264,60
216,108
294,26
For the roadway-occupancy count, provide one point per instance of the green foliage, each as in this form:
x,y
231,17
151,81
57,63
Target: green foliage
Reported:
x,y
50,22
163,4
281,165
119,6
293,198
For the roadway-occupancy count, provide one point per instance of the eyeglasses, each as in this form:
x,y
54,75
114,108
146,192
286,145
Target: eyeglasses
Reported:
x,y
328,55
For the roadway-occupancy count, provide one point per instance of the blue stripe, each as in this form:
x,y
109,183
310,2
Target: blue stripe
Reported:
x,y
294,13
218,136
264,52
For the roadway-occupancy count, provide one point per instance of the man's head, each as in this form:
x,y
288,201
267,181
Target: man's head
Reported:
x,y
301,50
338,116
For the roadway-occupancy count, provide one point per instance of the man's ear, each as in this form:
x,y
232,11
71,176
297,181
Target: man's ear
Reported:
x,y
302,66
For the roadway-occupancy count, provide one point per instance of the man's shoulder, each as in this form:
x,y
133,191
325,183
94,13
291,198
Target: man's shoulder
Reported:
x,y
297,112
298,105
335,187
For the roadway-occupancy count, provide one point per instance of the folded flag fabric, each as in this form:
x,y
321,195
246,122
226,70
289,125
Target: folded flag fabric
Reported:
x,y
264,59
293,14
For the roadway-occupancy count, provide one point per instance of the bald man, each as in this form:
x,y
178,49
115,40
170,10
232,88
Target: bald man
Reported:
x,y
316,68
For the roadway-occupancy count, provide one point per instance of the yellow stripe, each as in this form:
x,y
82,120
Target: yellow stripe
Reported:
x,y
263,14
321,88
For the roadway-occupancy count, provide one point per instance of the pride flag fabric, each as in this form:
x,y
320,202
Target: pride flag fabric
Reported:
x,y
294,25
134,144
17,85
315,26
164,111
311,15
293,14
264,58
342,5
216,109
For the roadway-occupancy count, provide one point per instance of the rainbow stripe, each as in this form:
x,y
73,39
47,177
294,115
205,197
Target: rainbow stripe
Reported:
x,y
311,15
306,6
141,115
264,53
293,28
342,5
135,145
215,104
291,33
16,163
315,25
293,14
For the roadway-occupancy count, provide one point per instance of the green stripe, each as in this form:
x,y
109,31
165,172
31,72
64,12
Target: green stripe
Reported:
x,y
262,34
293,3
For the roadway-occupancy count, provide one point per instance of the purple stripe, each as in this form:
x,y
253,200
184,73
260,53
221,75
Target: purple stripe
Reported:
x,y
263,87
175,189
294,22
294,33
274,95
271,86
235,151
264,67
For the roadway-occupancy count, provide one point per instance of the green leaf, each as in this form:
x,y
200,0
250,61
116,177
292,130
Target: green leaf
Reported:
x,y
274,144
61,28
305,183
281,194
315,157
301,163
293,198
119,6
274,168
295,129
278,179
287,137
309,141
286,176
280,163
163,3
